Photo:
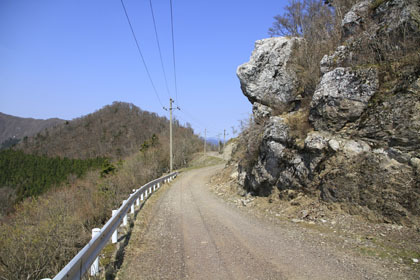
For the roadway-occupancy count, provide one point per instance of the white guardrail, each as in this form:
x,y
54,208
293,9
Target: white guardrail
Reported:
x,y
88,256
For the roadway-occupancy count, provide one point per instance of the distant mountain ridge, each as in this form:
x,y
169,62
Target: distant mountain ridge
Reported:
x,y
17,127
115,131
213,140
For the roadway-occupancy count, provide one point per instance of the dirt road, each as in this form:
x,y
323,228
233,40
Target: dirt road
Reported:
x,y
193,234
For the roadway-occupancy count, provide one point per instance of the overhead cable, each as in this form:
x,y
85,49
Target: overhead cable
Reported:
x,y
173,52
141,54
158,45
190,116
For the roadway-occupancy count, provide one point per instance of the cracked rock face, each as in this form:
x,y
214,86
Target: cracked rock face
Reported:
x,y
399,16
353,20
261,112
358,142
341,97
339,57
374,181
278,163
268,78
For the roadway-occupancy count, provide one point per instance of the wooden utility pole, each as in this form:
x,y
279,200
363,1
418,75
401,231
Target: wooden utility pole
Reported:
x,y
170,133
219,141
224,138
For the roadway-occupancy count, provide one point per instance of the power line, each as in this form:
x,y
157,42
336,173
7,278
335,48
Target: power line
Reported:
x,y
141,54
194,123
196,120
188,121
173,51
160,52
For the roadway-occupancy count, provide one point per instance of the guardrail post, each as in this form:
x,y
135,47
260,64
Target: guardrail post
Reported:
x,y
125,220
114,238
132,208
78,266
94,269
138,201
125,217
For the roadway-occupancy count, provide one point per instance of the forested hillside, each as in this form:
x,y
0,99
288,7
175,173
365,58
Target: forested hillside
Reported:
x,y
115,131
13,129
24,175
67,151
59,200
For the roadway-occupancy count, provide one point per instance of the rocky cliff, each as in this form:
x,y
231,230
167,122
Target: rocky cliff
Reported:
x,y
357,142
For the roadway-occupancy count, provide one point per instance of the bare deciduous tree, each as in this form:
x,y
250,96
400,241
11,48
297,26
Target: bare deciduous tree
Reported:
x,y
319,24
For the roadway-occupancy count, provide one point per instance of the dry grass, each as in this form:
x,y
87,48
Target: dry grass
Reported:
x,y
249,144
299,125
45,233
140,227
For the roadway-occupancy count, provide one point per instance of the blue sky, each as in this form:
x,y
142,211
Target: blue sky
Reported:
x,y
69,58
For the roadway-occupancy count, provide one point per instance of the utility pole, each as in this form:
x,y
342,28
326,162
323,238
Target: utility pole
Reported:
x,y
170,133
205,131
219,141
224,138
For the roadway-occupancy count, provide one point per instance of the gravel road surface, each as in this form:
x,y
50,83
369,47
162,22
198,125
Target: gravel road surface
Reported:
x,y
193,234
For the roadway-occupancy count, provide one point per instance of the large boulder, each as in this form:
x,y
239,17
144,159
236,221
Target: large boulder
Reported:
x,y
354,20
340,57
269,78
341,97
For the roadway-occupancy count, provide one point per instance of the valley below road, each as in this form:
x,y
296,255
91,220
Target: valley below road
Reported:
x,y
190,233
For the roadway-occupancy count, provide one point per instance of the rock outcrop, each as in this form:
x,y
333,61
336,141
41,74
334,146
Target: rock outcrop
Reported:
x,y
342,96
268,79
362,147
